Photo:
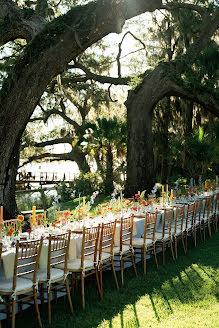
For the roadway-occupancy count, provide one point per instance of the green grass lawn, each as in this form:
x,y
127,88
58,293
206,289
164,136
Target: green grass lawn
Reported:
x,y
183,293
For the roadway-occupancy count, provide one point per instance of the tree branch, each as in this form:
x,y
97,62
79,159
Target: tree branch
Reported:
x,y
18,23
54,142
96,77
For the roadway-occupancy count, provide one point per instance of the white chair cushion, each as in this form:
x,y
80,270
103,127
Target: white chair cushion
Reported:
x,y
105,256
140,242
22,285
158,236
42,274
75,265
116,249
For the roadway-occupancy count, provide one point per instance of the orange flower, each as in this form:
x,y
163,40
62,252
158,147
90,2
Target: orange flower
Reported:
x,y
99,213
110,208
143,202
20,218
66,213
206,188
80,211
12,229
127,202
40,216
10,233
64,220
155,199
134,208
58,221
53,224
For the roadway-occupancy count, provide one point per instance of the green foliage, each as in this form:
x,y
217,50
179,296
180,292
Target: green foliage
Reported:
x,y
87,183
201,152
66,192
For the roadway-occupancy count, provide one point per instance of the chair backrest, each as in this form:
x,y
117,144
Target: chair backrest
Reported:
x,y
199,207
26,259
190,213
126,231
167,222
179,218
58,251
107,237
14,223
150,226
207,206
90,241
62,214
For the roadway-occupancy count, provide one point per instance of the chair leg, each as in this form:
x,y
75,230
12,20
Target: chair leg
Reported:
x,y
175,242
69,296
121,268
72,284
183,243
171,246
49,306
37,307
13,312
82,291
200,231
133,262
98,282
186,241
155,255
204,230
144,250
114,274
163,251
209,228
101,279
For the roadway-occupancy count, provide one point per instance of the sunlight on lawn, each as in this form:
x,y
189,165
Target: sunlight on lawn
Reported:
x,y
187,300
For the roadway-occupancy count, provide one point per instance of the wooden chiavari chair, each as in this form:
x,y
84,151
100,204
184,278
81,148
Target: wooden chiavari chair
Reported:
x,y
190,229
106,255
15,289
179,224
147,242
199,207
60,214
55,276
206,223
211,214
14,223
216,211
103,208
164,238
125,248
87,264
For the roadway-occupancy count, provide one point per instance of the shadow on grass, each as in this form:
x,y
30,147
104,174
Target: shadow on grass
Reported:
x,y
180,281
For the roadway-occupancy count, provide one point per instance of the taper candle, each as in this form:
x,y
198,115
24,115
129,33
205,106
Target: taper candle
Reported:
x,y
1,215
34,215
83,205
